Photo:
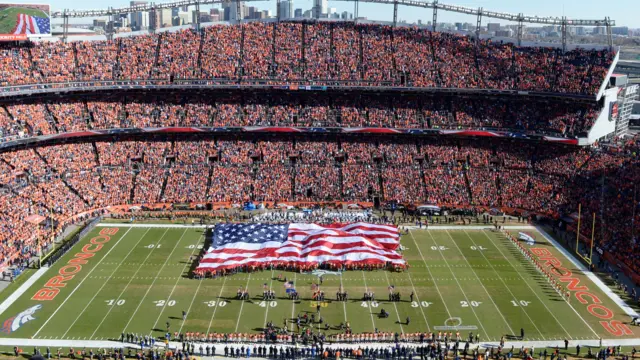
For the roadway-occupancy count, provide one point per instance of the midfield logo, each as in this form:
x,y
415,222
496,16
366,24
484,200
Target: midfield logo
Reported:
x,y
14,323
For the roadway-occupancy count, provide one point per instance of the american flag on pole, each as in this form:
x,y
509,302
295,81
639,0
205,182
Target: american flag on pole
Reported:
x,y
302,245
27,24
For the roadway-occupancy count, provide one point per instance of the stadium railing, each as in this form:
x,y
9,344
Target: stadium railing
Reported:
x,y
258,84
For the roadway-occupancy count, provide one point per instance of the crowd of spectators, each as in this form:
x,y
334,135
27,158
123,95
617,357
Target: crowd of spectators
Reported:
x,y
59,181
312,53
558,118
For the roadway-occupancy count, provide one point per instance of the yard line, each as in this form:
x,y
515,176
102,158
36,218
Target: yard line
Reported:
x,y
80,284
130,280
194,295
105,283
431,275
419,304
293,302
344,303
154,281
476,275
532,290
394,305
460,286
190,305
507,287
242,304
368,308
217,304
266,311
187,263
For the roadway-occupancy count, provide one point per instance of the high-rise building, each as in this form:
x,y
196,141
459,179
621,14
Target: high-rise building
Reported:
x,y
140,19
286,9
231,8
184,18
164,18
320,8
253,12
307,14
493,26
298,13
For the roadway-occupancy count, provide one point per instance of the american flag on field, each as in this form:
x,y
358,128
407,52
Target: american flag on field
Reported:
x,y
27,24
302,245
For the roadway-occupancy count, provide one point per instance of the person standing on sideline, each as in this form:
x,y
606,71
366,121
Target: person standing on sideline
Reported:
x,y
184,315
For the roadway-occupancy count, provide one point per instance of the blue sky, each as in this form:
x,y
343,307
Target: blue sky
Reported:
x,y
625,12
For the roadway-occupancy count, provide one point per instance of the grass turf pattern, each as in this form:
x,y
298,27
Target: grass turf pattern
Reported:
x,y
474,279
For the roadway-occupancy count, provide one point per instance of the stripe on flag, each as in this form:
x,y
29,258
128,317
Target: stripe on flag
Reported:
x,y
301,245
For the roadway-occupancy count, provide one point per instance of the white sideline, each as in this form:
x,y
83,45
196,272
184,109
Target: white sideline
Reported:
x,y
22,289
161,226
469,227
411,227
111,344
605,289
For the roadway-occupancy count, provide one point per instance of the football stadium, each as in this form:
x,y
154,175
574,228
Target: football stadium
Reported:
x,y
314,188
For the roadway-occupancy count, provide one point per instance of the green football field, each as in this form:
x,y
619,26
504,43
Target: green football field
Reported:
x,y
472,280
9,17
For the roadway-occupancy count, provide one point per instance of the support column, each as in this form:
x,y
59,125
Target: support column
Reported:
x,y
197,24
520,28
355,11
395,13
152,21
109,29
435,15
478,25
278,10
564,34
239,11
65,25
609,33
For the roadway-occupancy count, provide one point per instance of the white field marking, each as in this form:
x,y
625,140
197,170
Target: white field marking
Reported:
x,y
524,311
469,227
477,277
460,286
394,305
373,323
22,289
242,304
266,308
80,284
130,280
224,280
190,305
124,330
105,283
344,303
529,286
186,263
589,275
162,226
419,303
293,302
194,295
431,275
